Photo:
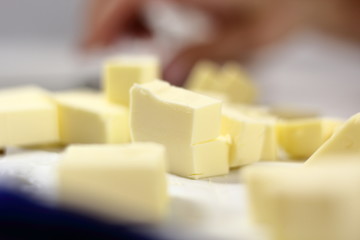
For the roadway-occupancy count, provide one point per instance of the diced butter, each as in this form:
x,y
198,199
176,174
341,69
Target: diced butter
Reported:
x,y
247,137
270,150
260,179
234,81
229,80
180,120
255,111
115,182
28,116
211,158
120,74
217,95
301,138
343,147
307,203
202,76
86,117
293,112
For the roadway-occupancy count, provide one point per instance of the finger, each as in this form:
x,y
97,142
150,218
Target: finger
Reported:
x,y
236,40
112,19
232,46
228,9
138,28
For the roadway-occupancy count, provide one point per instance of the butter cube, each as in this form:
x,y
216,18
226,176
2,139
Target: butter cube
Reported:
x,y
343,147
301,138
86,117
210,158
213,94
234,81
229,80
247,135
293,112
27,117
306,203
202,76
260,180
270,150
176,118
255,111
115,182
120,74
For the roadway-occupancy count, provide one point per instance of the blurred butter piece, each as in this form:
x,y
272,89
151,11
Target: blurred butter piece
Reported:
x,y
293,112
260,179
28,116
86,117
343,147
229,80
236,83
271,145
184,121
121,73
202,76
124,183
302,137
297,203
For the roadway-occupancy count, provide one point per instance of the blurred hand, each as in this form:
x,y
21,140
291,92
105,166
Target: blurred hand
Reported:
x,y
240,28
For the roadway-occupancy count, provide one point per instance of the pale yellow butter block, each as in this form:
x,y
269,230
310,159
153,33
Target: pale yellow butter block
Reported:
x,y
343,147
211,158
175,117
271,147
296,203
116,182
28,116
293,112
247,135
202,76
213,94
301,138
86,117
233,80
120,74
229,80
255,111
270,151
260,179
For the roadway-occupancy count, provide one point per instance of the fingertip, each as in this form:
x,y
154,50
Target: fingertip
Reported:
x,y
177,72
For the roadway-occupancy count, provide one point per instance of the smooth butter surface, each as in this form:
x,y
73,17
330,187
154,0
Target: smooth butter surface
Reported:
x,y
261,114
343,147
297,203
202,76
179,119
121,73
260,179
301,138
234,81
229,80
247,135
211,158
86,117
28,116
116,182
